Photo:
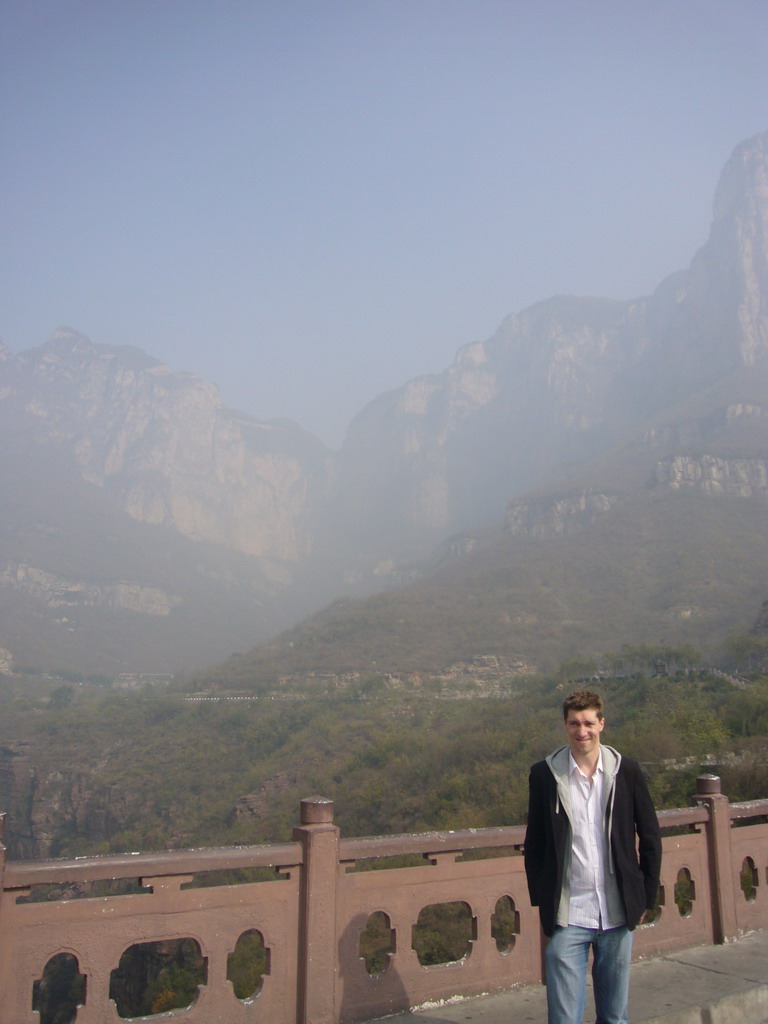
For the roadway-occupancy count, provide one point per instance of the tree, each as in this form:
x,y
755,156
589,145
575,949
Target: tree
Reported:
x,y
61,698
746,651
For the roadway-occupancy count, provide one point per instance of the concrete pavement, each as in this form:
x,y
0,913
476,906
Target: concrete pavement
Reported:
x,y
703,985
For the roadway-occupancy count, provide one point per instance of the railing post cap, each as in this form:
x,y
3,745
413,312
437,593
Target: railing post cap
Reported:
x,y
316,810
707,785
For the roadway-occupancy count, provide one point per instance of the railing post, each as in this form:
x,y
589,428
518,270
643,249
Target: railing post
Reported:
x,y
2,850
721,877
317,912
3,855
3,938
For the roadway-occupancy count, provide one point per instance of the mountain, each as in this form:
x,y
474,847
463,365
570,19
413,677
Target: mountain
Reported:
x,y
662,541
594,473
628,443
143,524
558,383
163,447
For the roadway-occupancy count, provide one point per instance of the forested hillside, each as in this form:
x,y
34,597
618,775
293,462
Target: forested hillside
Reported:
x,y
148,770
664,568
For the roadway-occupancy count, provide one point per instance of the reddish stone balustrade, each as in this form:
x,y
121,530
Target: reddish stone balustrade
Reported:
x,y
312,916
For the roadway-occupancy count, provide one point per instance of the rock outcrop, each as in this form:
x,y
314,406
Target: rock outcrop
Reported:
x,y
56,592
742,478
558,516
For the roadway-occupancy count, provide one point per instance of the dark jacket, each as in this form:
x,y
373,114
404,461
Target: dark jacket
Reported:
x,y
632,828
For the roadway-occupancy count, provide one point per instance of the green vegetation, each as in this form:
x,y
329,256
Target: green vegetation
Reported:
x,y
168,975
442,933
376,943
663,568
157,770
58,993
247,964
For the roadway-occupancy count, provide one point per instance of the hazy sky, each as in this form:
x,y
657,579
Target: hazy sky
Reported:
x,y
312,201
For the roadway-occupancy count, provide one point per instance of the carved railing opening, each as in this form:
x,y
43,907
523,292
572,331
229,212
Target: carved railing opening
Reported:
x,y
443,933
361,864
749,879
83,890
233,876
154,977
654,916
377,943
61,989
685,892
247,964
505,924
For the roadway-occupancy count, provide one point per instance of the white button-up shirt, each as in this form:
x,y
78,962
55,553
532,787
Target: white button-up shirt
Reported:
x,y
588,907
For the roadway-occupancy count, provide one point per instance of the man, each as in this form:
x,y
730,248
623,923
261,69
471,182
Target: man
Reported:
x,y
592,859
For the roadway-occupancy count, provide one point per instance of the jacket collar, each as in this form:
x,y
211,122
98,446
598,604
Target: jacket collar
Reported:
x,y
559,764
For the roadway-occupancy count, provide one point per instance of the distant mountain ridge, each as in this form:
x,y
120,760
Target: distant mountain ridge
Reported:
x,y
563,379
165,447
144,524
577,412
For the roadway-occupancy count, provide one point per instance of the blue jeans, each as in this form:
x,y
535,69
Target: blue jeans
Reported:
x,y
566,960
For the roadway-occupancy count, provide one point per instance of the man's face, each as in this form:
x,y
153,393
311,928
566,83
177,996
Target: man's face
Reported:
x,y
583,729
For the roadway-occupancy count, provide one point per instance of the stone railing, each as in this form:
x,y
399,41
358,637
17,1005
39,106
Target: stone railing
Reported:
x,y
312,916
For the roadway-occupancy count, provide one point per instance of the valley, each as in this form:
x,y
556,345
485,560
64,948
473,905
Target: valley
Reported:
x,y
97,771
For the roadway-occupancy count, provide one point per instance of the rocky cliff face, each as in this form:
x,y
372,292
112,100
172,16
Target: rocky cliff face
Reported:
x,y
165,449
742,478
58,592
144,526
728,277
33,832
712,319
445,453
561,381
47,804
558,516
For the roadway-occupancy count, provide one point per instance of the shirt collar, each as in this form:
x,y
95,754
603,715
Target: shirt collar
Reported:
x,y
572,766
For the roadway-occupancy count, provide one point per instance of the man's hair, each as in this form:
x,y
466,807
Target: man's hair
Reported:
x,y
583,700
